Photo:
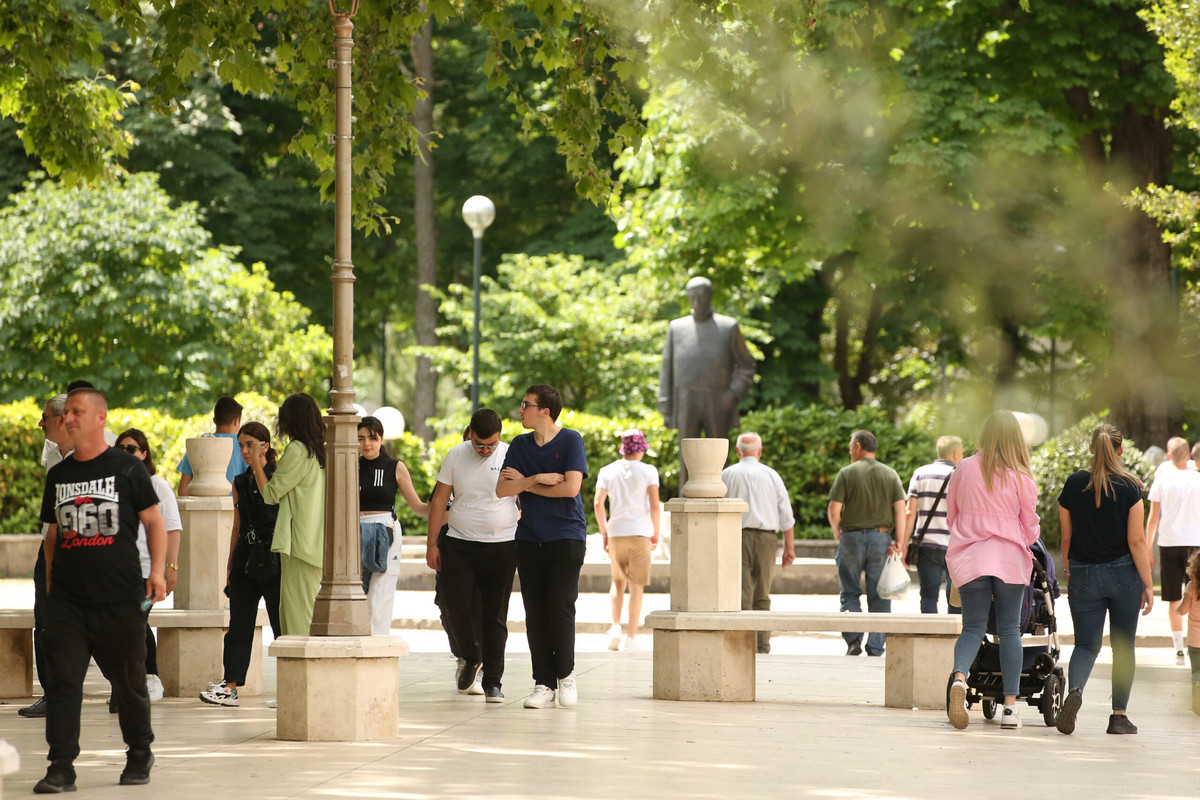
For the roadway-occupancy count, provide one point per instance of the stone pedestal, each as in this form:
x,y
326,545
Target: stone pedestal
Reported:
x,y
706,553
338,688
190,658
204,552
917,667
704,665
16,662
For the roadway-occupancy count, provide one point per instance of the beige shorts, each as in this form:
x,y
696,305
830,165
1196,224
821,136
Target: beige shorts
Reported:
x,y
630,556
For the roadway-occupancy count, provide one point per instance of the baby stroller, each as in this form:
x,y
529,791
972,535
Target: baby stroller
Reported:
x,y
1042,683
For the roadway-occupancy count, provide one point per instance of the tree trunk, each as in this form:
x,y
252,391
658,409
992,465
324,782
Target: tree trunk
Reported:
x,y
1147,399
425,401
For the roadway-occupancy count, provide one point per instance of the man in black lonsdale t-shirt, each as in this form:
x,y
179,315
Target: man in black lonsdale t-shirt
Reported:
x,y
93,502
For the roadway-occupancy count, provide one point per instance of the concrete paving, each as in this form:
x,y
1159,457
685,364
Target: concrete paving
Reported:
x,y
818,730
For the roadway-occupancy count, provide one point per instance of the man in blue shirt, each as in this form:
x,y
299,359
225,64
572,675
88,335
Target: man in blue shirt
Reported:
x,y
545,469
227,417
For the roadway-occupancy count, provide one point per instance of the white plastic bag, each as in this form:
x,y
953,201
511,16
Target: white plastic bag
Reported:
x,y
894,578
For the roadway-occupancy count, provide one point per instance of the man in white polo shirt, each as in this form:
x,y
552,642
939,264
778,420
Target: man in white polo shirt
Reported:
x,y
1175,517
770,512
478,555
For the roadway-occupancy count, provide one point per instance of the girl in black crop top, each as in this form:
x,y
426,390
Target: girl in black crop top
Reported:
x,y
380,479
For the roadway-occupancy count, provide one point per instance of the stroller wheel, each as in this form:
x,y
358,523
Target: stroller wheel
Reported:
x,y
1052,699
989,708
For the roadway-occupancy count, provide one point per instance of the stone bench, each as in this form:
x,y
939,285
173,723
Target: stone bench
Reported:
x,y
710,655
190,644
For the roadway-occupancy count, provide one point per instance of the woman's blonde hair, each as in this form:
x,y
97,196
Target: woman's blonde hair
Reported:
x,y
1002,447
1106,462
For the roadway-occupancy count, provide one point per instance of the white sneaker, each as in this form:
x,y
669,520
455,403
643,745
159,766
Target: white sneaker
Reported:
x,y
1010,720
956,706
567,694
154,688
542,697
273,703
631,645
614,637
477,686
221,696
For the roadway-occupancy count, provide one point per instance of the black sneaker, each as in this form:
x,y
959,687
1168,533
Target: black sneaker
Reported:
x,y
112,704
1070,708
467,677
492,694
38,709
57,781
854,649
137,767
1119,723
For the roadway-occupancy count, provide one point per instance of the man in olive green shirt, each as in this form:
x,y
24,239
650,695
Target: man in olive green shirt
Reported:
x,y
866,507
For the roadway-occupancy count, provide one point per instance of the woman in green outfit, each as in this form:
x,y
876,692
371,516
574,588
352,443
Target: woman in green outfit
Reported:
x,y
298,487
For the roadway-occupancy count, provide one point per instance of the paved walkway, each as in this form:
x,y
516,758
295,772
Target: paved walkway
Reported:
x,y
818,730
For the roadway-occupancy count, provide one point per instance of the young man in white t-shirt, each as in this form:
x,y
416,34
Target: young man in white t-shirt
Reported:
x,y
1175,518
630,532
478,556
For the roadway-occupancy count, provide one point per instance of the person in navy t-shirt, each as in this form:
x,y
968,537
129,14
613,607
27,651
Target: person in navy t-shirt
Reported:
x,y
546,468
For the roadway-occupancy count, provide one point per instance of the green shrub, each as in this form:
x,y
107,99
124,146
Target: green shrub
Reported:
x,y
807,447
1065,454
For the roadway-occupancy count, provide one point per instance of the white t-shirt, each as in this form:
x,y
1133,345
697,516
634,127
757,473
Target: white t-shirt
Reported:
x,y
1177,491
476,514
170,514
628,485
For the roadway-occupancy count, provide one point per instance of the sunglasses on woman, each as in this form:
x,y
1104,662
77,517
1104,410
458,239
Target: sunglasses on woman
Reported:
x,y
129,448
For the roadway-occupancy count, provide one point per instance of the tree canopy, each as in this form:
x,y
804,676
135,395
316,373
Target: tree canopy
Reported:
x,y
116,285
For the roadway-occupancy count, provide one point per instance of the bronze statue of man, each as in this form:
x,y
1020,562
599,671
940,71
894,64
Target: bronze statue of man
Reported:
x,y
707,370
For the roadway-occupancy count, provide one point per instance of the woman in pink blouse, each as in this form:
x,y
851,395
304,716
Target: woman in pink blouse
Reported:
x,y
990,510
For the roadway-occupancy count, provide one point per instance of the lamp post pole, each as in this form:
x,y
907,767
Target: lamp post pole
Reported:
x,y
341,608
478,212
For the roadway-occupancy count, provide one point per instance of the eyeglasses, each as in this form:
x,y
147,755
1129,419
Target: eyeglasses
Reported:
x,y
480,447
129,448
525,405
47,417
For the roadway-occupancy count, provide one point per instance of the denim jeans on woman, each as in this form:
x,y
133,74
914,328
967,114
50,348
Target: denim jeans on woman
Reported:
x,y
1097,590
977,597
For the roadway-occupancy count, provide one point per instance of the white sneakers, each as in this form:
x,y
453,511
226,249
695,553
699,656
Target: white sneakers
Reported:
x,y
1010,720
542,697
154,688
614,637
567,694
956,706
545,697
631,645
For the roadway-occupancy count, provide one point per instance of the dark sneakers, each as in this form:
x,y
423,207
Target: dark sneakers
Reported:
x,y
57,781
1119,723
137,767
38,709
1070,709
466,678
492,694
854,649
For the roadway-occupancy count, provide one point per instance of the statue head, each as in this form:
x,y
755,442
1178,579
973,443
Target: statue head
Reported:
x,y
700,292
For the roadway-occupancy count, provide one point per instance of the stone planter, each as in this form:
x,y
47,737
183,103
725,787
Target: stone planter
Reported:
x,y
209,457
704,458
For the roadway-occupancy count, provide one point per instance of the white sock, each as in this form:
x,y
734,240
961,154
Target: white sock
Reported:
x,y
1177,640
1012,708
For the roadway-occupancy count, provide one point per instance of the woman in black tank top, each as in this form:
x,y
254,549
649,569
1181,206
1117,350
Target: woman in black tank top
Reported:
x,y
380,479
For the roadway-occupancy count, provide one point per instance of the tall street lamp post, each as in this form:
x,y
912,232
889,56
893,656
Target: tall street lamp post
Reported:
x,y
341,608
478,212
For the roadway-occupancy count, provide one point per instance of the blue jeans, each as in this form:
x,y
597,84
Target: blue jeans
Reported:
x,y
977,597
859,552
932,573
1097,590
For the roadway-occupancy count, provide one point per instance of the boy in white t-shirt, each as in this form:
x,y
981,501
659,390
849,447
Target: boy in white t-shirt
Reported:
x,y
630,532
1175,519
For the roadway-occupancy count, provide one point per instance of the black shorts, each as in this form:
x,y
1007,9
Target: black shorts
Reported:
x,y
1173,563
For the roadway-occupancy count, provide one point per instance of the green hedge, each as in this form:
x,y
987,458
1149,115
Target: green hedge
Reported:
x,y
1065,454
806,445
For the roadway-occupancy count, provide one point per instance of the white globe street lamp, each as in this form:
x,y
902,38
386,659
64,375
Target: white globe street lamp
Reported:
x,y
478,212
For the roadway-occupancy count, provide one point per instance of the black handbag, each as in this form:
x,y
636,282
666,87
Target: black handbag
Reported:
x,y
914,544
261,563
